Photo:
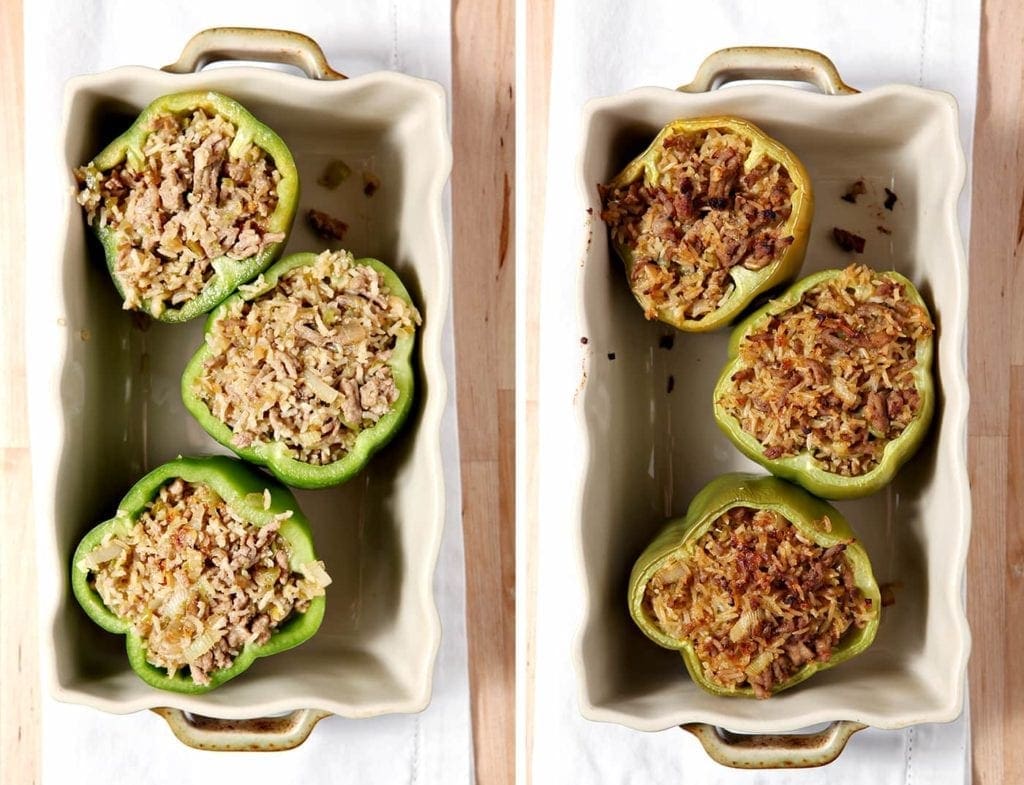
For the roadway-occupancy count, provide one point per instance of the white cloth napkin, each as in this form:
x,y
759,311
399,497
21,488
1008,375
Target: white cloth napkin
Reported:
x,y
604,47
84,745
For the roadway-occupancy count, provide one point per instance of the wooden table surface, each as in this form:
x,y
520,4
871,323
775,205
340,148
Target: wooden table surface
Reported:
x,y
995,583
483,248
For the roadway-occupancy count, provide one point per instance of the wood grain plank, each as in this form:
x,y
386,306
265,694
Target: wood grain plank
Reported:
x,y
539,25
995,576
996,200
1013,594
483,192
19,672
13,427
986,606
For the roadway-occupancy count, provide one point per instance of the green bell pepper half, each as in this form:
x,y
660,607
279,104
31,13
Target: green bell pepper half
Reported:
x,y
275,455
228,273
802,468
748,283
241,487
679,538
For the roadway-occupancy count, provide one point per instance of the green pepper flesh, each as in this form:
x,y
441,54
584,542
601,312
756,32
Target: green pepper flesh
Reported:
x,y
242,489
228,273
274,455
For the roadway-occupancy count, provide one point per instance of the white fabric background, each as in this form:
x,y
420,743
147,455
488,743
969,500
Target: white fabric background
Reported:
x,y
82,745
604,47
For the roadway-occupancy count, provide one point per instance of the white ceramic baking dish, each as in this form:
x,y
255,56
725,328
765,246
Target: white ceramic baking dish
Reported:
x,y
105,405
651,447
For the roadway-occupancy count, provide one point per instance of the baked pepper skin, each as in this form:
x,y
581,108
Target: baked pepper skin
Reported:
x,y
229,273
274,455
748,283
242,489
802,468
804,511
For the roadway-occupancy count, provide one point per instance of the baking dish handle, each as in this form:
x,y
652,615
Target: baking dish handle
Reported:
x,y
254,43
774,751
263,734
782,63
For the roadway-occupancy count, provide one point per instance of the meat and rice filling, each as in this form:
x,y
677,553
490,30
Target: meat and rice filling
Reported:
x,y
307,363
757,599
833,375
197,583
193,200
710,210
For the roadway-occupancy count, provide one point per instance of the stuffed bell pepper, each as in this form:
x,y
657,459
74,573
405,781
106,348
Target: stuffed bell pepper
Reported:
x,y
711,214
206,566
307,370
830,384
195,198
759,587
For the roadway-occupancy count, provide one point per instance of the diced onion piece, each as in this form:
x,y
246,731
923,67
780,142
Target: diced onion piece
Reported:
x,y
316,572
202,644
266,577
351,333
193,564
673,572
175,602
759,663
744,626
845,392
101,555
320,388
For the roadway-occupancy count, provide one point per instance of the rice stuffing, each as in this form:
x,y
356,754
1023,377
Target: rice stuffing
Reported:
x,y
307,363
710,210
834,375
197,582
757,599
195,198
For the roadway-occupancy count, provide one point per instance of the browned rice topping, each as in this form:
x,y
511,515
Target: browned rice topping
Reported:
x,y
834,374
709,211
307,363
191,202
197,582
757,599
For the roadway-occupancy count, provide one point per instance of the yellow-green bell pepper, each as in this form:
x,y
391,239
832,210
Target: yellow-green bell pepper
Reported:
x,y
807,513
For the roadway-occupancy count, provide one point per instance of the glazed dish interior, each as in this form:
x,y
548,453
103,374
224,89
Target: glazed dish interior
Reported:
x,y
651,442
119,383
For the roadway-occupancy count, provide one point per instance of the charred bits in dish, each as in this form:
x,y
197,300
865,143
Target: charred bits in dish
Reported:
x,y
325,225
848,241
